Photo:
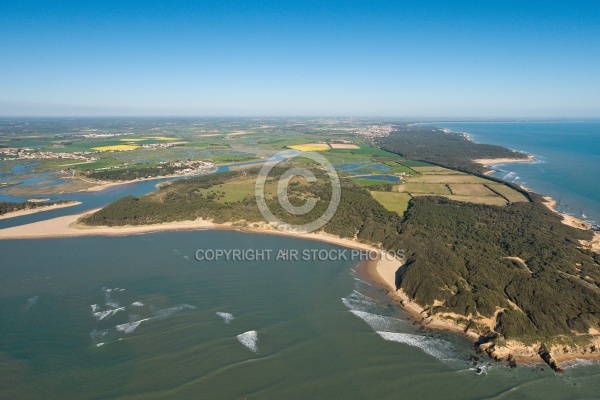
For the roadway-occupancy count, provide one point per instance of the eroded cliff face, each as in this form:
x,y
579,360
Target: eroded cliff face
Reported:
x,y
515,352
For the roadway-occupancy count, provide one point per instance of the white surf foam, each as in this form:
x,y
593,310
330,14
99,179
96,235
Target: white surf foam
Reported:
x,y
249,339
96,334
100,315
94,308
360,297
357,301
109,301
578,362
226,316
130,327
173,310
380,322
137,304
361,281
437,348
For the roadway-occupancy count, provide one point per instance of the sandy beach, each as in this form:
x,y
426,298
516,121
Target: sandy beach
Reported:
x,y
68,226
492,161
594,243
487,162
28,211
567,219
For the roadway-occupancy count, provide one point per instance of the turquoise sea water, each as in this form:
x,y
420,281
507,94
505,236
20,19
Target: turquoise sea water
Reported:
x,y
138,317
567,156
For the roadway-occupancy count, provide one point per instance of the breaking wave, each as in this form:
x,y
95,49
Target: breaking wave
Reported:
x,y
131,326
227,317
380,322
396,329
173,310
100,315
437,348
249,339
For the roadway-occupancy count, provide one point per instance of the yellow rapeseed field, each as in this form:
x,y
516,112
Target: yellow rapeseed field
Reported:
x,y
117,147
310,147
164,138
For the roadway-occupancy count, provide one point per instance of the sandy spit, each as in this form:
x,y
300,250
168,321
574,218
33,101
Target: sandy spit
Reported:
x,y
28,211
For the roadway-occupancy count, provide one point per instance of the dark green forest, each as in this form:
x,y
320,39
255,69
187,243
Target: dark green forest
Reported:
x,y
6,207
447,149
127,174
457,254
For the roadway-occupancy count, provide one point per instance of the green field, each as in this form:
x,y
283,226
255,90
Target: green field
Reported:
x,y
454,185
509,193
396,166
425,188
370,182
364,150
236,190
449,179
491,200
397,202
432,168
470,189
411,164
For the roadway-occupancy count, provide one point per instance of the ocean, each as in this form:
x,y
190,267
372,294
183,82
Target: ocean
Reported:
x,y
140,317
567,154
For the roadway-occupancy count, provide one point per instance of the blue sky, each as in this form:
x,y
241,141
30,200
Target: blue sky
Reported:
x,y
343,58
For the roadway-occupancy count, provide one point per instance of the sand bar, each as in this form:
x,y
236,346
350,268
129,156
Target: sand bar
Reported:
x,y
492,161
35,210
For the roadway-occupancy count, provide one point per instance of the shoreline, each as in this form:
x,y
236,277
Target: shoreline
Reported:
x,y
567,219
574,222
492,161
68,226
381,272
487,162
28,211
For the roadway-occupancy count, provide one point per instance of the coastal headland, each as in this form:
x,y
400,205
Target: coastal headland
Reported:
x,y
478,260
